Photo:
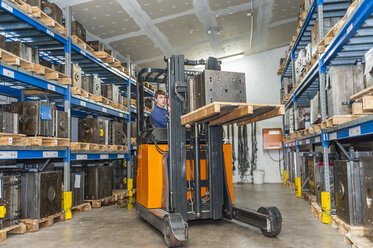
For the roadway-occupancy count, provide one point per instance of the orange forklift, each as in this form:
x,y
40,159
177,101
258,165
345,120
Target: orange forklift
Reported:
x,y
184,173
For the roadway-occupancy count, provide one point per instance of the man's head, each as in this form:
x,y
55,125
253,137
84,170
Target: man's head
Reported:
x,y
160,98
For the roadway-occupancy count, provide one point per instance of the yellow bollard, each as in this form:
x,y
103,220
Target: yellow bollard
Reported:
x,y
325,206
284,176
130,186
67,202
298,187
130,205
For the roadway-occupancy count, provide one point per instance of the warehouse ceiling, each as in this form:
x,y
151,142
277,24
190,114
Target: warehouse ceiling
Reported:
x,y
148,30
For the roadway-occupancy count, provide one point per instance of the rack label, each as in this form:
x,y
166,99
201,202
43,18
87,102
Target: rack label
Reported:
x,y
82,103
120,115
8,73
333,136
77,181
50,32
50,154
307,141
120,155
7,7
104,156
104,110
81,156
317,139
83,52
354,131
8,155
51,87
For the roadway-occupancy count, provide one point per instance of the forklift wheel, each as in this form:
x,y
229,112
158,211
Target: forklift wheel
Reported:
x,y
169,237
275,218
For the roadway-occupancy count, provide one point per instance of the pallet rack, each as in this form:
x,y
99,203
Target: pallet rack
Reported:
x,y
348,44
20,22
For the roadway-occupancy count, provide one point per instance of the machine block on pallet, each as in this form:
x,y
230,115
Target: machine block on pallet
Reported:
x,y
52,10
76,75
366,195
342,83
93,130
78,30
77,188
98,182
348,191
41,194
219,86
36,119
60,124
92,84
10,199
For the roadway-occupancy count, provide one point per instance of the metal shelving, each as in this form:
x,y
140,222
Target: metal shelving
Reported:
x,y
348,47
18,25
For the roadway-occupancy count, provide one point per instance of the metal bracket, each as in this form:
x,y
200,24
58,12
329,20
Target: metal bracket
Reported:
x,y
344,151
324,140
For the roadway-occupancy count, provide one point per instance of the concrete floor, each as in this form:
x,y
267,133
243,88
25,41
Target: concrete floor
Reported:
x,y
119,227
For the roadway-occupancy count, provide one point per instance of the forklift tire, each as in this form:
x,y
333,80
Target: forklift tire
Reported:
x,y
275,218
169,237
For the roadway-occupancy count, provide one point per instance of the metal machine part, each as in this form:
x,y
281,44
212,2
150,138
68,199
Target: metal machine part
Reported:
x,y
367,195
348,191
219,86
89,131
78,30
52,10
77,188
110,91
60,124
36,119
117,133
311,174
10,199
76,75
41,194
8,119
119,173
92,84
98,182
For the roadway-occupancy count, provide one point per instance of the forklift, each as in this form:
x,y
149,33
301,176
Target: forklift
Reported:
x,y
184,173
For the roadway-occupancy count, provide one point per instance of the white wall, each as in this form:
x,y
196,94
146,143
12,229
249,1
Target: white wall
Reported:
x,y
262,86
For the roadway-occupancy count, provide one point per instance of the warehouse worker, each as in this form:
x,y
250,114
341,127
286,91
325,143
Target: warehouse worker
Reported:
x,y
159,113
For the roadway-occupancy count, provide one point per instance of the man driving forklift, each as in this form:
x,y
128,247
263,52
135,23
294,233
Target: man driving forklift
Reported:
x,y
159,113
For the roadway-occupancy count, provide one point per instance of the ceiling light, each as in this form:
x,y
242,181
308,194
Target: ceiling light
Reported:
x,y
249,14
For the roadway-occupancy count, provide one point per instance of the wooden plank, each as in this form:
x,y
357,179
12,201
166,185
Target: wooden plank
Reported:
x,y
277,111
201,113
234,115
368,103
362,93
14,229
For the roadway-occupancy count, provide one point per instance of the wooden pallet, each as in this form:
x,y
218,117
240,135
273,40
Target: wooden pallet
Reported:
x,y
80,208
337,120
357,241
79,146
14,229
101,99
33,225
11,139
44,71
99,202
223,113
82,44
80,92
48,141
119,195
316,209
344,228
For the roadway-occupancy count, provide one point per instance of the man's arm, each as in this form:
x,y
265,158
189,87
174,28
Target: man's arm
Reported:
x,y
159,119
